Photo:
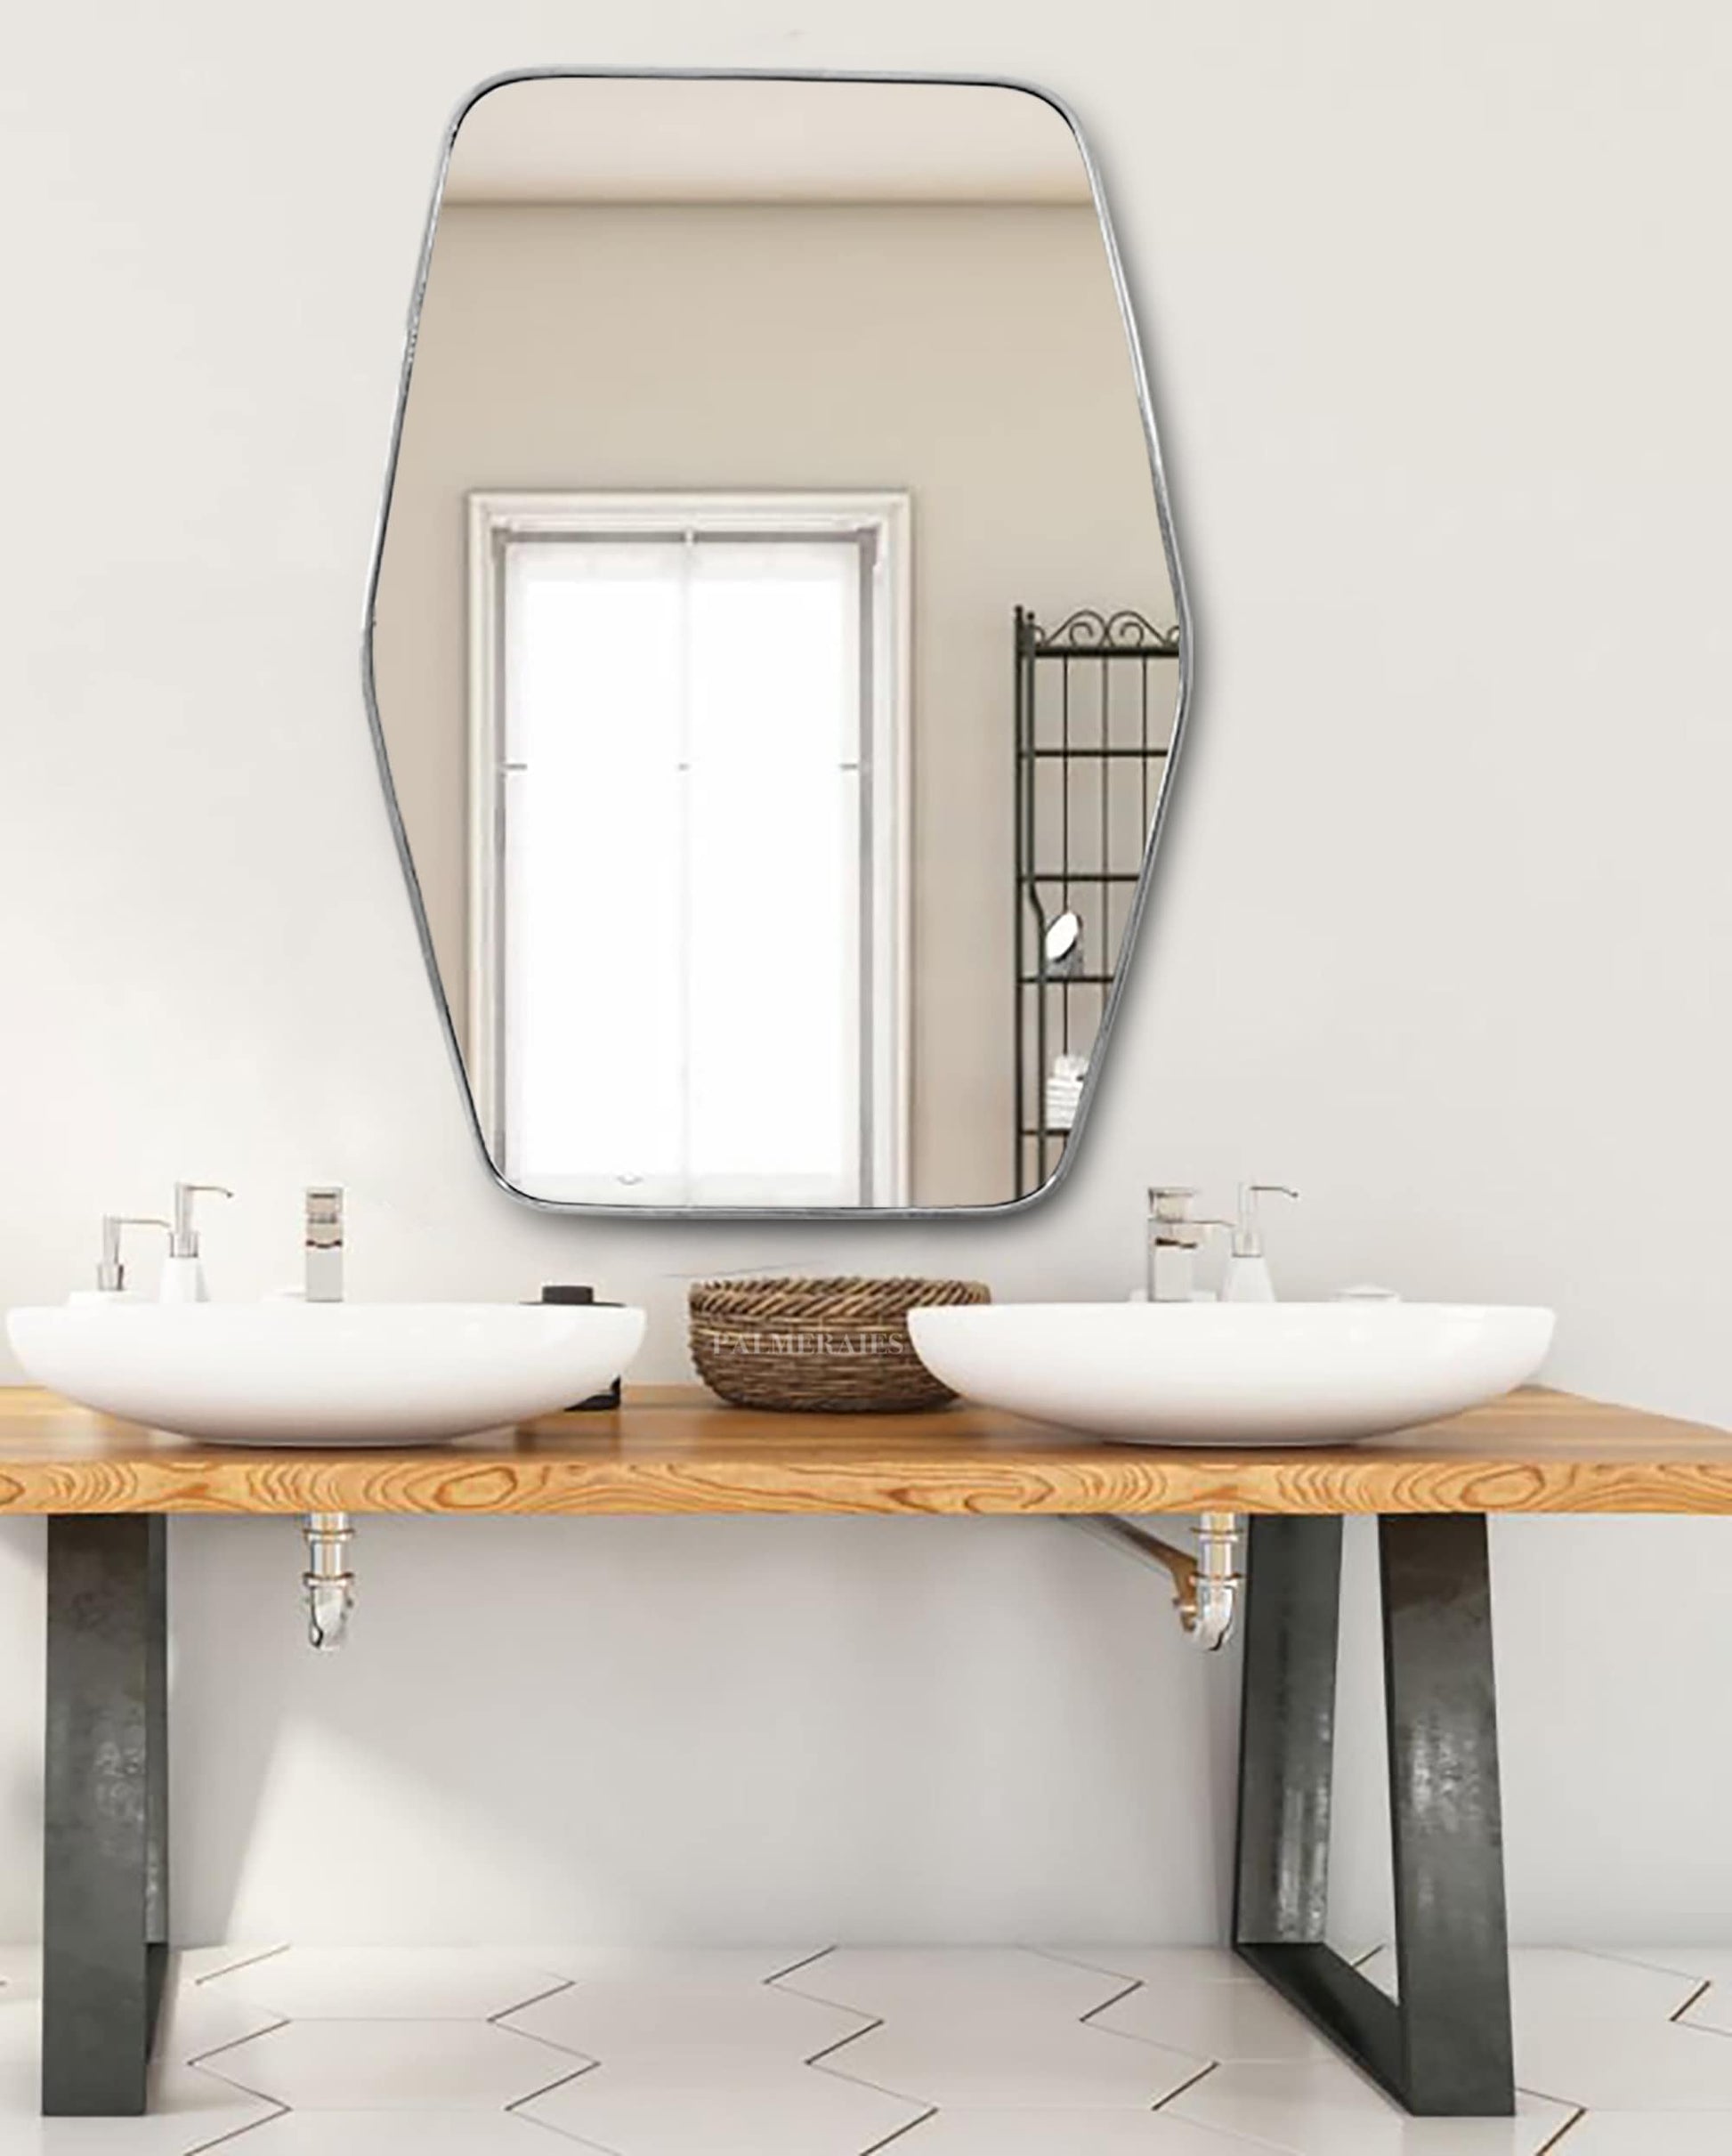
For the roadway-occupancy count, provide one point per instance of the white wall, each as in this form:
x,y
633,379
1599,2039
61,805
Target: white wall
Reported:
x,y
1441,345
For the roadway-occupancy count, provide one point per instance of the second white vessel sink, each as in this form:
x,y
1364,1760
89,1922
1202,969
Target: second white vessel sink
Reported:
x,y
293,1373
1233,1374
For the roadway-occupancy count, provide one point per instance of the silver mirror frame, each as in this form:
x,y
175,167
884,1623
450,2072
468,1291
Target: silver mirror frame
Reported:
x,y
1176,578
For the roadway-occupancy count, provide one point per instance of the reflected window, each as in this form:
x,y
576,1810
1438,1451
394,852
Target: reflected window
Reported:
x,y
688,894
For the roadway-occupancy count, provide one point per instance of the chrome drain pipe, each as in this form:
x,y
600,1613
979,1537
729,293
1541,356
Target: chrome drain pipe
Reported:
x,y
1208,1586
1220,1580
328,1583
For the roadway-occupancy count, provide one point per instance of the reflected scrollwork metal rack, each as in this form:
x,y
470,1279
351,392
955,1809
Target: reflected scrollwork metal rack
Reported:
x,y
1093,735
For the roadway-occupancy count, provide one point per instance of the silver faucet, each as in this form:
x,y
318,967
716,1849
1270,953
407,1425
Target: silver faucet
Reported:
x,y
1175,1236
327,1582
324,1244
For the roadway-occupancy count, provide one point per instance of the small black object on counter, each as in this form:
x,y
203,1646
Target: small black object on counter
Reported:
x,y
570,1293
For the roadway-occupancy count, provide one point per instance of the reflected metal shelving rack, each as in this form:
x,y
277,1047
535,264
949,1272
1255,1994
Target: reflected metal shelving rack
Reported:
x,y
1094,714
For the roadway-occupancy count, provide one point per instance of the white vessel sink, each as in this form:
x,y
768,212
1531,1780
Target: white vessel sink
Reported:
x,y
1233,1374
293,1373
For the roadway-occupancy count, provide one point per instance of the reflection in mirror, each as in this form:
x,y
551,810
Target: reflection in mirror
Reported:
x,y
1063,944
774,639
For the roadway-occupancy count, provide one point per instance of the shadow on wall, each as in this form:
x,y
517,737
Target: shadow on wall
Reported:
x,y
22,1551
959,1741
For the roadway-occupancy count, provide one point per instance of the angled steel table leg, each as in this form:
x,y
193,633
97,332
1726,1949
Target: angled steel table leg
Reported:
x,y
105,1875
1443,2048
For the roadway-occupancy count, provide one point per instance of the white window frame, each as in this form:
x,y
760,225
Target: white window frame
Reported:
x,y
494,520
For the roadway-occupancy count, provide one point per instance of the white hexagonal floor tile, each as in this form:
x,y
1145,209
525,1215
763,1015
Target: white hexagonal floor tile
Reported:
x,y
1321,2107
1706,1964
971,2058
200,1965
612,2018
398,2134
1627,2066
712,2107
1057,2052
1226,2019
680,1965
387,1984
1153,1965
1712,2010
886,1981
383,2065
1068,2133
1649,2133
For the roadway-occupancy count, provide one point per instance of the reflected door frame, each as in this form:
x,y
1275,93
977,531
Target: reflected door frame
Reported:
x,y
882,515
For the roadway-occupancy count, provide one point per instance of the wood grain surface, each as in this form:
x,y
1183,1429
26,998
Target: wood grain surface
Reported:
x,y
678,1451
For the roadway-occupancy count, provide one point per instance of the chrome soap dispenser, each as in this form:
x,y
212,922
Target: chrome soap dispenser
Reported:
x,y
183,1270
1246,1277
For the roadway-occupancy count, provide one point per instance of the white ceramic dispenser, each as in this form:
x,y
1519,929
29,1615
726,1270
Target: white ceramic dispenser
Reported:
x,y
1246,1276
183,1270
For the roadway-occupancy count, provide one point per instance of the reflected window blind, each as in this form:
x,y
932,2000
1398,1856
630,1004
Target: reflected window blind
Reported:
x,y
684,952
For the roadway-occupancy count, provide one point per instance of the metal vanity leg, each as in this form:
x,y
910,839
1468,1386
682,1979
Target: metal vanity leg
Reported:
x,y
1452,1945
1287,1736
1444,2049
105,1876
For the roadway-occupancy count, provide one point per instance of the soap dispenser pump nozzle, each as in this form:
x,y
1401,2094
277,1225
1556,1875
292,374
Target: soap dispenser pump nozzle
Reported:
x,y
183,1274
183,1236
1246,1276
111,1268
1247,1235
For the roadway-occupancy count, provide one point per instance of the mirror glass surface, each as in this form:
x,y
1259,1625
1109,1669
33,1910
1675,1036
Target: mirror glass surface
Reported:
x,y
774,641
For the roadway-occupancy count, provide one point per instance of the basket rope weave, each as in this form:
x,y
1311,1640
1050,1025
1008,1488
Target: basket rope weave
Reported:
x,y
836,1346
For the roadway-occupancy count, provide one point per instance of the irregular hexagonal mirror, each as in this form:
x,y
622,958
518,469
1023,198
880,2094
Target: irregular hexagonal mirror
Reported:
x,y
775,646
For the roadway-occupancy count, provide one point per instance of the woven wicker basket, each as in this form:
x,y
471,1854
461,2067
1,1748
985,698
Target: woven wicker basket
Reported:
x,y
837,1345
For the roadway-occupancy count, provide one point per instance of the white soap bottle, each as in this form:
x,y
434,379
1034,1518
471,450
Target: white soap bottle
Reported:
x,y
183,1270
1246,1276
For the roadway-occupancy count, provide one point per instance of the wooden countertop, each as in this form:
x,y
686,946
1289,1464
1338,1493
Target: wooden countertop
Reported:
x,y
676,1450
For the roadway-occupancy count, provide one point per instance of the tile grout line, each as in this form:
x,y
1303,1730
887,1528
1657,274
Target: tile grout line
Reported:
x,y
523,2005
1568,2103
1624,1959
240,2132
197,2063
925,2119
234,1968
565,2082
1568,2127
794,1967
1083,2020
1173,2094
815,2064
1150,2043
854,2081
576,2141
853,2036
1132,1985
501,2022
